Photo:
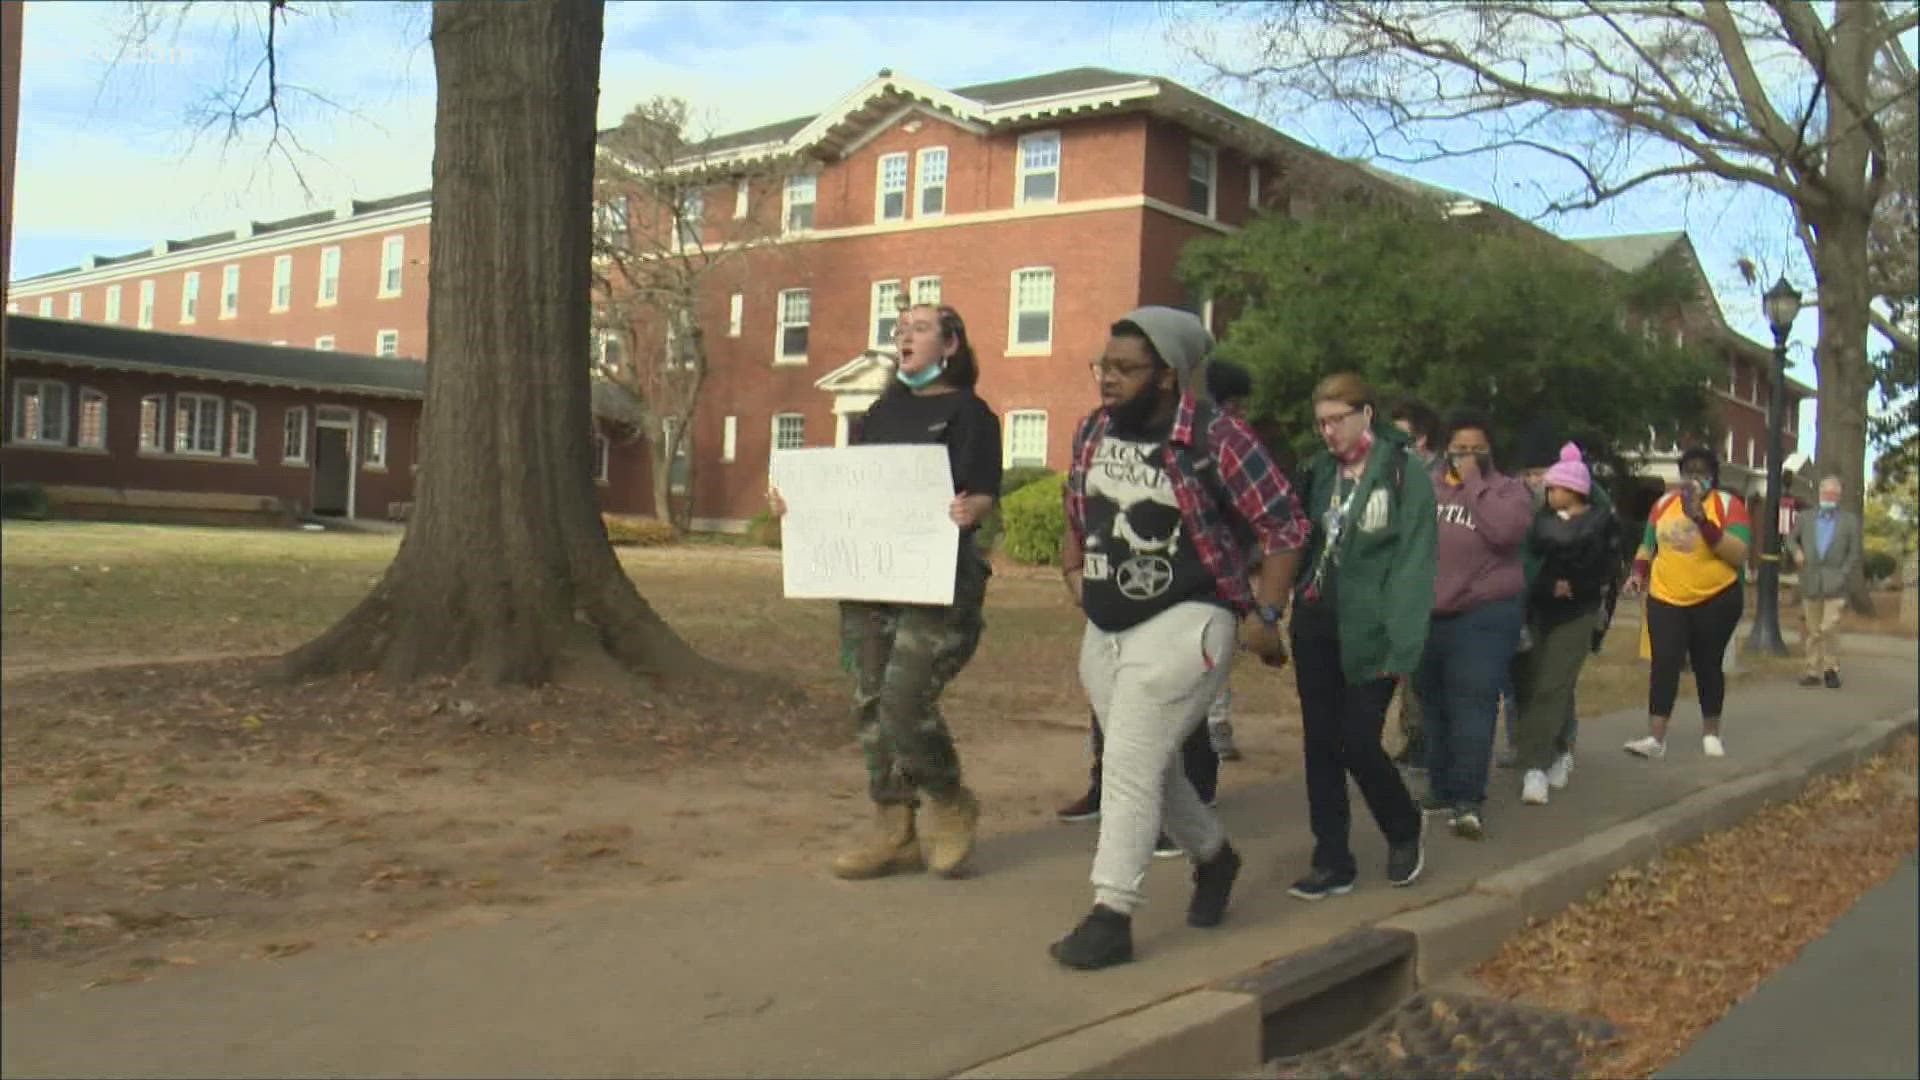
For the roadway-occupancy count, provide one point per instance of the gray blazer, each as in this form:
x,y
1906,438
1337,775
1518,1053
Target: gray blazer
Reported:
x,y
1825,577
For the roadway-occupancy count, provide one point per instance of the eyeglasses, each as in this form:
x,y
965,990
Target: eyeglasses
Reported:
x,y
1101,368
1328,423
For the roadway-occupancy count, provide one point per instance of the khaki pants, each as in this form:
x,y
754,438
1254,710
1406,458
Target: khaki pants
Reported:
x,y
1821,637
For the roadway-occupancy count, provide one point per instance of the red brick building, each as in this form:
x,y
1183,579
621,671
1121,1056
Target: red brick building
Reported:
x,y
1041,208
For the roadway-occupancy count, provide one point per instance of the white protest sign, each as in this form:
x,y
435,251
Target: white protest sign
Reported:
x,y
867,523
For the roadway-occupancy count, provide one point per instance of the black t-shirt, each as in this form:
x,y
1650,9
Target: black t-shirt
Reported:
x,y
1315,613
969,430
1139,562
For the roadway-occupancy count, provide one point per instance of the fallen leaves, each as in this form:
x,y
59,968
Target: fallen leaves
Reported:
x,y
1638,953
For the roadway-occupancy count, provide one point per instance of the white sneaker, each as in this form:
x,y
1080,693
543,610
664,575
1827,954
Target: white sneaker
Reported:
x,y
1561,769
1533,790
1713,746
1647,746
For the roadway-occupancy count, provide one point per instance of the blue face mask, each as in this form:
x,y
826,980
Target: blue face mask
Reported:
x,y
924,378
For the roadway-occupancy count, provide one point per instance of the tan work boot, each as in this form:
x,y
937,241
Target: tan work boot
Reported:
x,y
889,850
947,829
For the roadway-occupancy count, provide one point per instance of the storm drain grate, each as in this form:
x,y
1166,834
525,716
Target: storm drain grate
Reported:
x,y
1435,1034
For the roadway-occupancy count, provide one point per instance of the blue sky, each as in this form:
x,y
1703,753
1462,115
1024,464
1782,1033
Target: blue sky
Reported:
x,y
108,162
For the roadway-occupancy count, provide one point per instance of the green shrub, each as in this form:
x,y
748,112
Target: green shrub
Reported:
x,y
638,531
27,501
1035,522
764,529
993,526
1018,477
1881,565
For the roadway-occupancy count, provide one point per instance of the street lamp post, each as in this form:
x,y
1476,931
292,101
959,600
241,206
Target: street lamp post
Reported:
x,y
1782,303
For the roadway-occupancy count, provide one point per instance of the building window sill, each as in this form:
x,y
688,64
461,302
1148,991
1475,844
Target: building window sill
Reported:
x,y
387,296
58,448
373,468
327,303
1031,350
294,463
790,361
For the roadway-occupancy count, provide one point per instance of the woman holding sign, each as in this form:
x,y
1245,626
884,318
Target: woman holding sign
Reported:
x,y
904,655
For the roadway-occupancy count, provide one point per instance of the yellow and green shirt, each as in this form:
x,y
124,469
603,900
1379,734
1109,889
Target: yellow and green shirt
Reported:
x,y
1685,571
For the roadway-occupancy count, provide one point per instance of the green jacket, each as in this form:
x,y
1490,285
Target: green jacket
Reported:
x,y
1530,556
1387,555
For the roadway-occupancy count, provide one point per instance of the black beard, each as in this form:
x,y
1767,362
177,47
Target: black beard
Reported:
x,y
1132,418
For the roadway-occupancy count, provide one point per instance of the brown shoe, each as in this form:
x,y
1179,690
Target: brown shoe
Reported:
x,y
890,849
947,831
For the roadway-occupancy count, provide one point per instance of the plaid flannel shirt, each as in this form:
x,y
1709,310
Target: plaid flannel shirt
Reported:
x,y
1259,491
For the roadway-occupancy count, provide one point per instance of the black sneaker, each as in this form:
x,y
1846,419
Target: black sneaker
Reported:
x,y
1165,848
1084,808
1405,861
1212,883
1813,681
1320,884
1467,824
1833,680
1104,938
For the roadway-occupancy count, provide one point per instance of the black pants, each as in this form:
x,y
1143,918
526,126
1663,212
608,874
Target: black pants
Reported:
x,y
1196,754
1342,726
1695,637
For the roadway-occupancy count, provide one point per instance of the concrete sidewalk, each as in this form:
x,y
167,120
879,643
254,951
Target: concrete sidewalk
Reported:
x,y
1845,1007
801,975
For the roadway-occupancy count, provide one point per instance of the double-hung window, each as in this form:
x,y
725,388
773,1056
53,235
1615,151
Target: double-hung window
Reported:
x,y
796,318
1032,314
190,296
1039,168
196,424
1026,439
931,182
393,260
886,312
40,412
891,199
282,282
796,203
1203,164
230,290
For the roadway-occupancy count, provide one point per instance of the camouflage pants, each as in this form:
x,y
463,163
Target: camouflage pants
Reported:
x,y
902,657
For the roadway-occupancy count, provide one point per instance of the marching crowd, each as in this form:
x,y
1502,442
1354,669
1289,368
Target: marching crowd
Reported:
x,y
1402,561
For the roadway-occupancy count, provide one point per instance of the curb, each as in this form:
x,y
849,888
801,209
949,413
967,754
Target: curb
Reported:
x,y
1231,1027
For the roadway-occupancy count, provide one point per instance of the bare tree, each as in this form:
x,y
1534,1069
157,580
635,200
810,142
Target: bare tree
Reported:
x,y
1794,98
505,572
661,256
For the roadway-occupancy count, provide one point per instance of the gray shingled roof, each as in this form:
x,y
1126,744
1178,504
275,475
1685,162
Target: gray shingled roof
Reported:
x,y
119,348
1070,81
1631,252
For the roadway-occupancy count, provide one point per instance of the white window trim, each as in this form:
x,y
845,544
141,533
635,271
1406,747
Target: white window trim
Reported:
x,y
20,386
379,343
773,431
602,456
1014,348
742,193
190,295
46,307
219,426
371,424
690,218
729,439
321,299
323,343
147,301
79,415
230,311
736,314
780,358
1213,176
159,445
253,431
76,304
113,303
1021,172
913,289
880,188
398,270
294,418
1012,417
275,303
874,314
787,204
920,181
1253,185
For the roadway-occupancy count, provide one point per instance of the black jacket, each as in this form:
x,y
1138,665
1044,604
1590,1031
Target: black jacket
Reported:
x,y
1578,551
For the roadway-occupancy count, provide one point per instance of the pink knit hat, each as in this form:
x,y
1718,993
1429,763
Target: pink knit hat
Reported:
x,y
1570,473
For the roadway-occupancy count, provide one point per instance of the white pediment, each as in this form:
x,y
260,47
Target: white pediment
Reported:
x,y
869,373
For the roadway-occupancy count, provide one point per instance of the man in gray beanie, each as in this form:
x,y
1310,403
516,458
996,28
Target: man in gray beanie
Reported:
x,y
1162,489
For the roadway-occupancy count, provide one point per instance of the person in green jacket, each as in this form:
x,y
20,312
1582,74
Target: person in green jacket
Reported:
x,y
1359,624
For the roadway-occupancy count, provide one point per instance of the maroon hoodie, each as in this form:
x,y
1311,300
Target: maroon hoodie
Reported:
x,y
1483,524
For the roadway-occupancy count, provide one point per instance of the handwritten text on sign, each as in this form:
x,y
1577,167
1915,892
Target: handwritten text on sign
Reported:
x,y
867,523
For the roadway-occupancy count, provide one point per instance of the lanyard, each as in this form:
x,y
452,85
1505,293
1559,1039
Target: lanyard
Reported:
x,y
1333,524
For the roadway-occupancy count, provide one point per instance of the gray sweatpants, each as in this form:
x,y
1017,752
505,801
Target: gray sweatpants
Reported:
x,y
1151,686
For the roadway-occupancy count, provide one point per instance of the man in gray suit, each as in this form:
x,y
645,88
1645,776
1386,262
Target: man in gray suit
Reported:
x,y
1827,546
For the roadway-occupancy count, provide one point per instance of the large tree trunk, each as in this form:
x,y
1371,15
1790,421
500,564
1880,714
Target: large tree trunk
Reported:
x,y
505,573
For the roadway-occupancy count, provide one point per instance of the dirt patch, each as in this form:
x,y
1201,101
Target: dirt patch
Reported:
x,y
1669,947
